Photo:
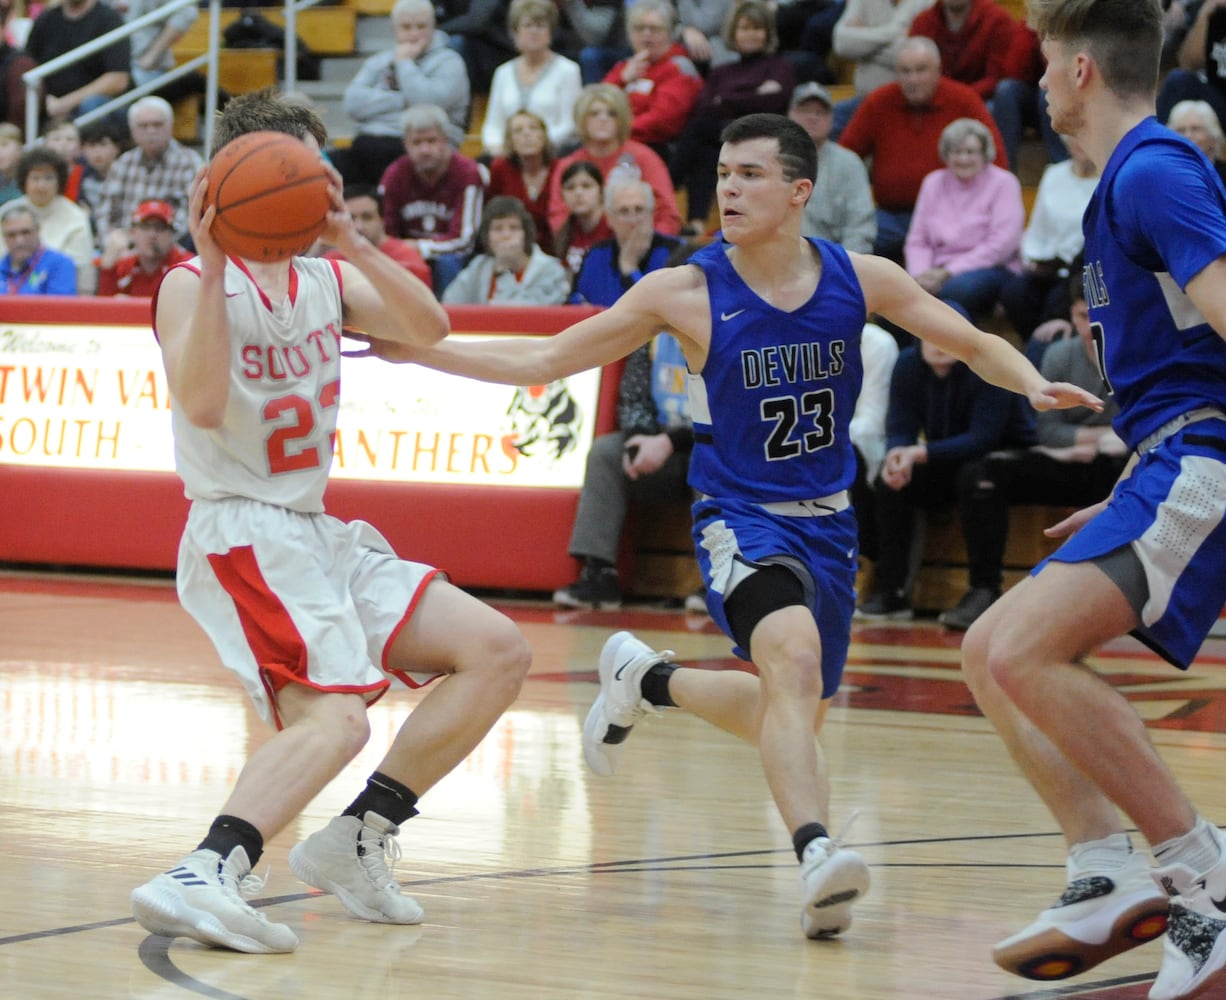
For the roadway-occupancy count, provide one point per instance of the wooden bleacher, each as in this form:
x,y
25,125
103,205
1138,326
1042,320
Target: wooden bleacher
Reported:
x,y
327,31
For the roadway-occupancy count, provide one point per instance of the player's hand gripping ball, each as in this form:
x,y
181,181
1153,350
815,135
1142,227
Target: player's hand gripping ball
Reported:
x,y
271,193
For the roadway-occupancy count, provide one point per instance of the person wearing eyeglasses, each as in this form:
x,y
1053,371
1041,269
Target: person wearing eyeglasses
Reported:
x,y
28,267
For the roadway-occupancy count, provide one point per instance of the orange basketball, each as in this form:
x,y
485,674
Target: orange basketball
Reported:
x,y
271,193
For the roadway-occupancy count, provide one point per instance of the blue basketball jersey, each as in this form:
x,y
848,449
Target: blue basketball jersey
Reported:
x,y
773,404
1148,233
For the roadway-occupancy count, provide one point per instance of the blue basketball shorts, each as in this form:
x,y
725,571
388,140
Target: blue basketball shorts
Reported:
x,y
733,538
1170,511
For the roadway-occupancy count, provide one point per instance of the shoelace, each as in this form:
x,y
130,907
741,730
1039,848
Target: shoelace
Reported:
x,y
837,839
244,887
379,859
841,836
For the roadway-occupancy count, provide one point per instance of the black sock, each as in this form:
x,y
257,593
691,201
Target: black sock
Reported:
x,y
597,566
654,685
803,837
386,797
229,832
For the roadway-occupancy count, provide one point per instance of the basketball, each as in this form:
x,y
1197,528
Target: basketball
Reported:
x,y
271,194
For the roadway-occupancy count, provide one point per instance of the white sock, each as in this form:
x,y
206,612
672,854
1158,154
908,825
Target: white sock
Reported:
x,y
1198,849
1107,854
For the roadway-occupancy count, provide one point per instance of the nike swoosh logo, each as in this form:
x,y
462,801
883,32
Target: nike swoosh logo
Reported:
x,y
617,674
1219,903
732,315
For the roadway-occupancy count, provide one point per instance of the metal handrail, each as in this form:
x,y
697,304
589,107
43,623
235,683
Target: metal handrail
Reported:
x,y
33,78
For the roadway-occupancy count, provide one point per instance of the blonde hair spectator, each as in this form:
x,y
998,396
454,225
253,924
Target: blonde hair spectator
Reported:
x,y
614,98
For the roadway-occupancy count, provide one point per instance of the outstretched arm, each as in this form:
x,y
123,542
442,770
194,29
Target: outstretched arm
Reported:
x,y
890,291
644,310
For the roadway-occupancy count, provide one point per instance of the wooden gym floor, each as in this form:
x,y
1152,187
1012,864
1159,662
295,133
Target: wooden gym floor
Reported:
x,y
120,736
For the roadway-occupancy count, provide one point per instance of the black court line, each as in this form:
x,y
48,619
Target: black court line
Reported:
x,y
598,867
154,950
154,954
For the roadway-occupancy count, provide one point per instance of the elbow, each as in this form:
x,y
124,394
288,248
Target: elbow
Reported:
x,y
435,327
208,418
207,413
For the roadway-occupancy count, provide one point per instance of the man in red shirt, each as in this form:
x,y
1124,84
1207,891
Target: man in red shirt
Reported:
x,y
138,274
433,195
974,38
898,128
365,205
659,80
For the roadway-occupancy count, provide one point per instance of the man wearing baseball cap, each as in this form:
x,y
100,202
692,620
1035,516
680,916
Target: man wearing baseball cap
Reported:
x,y
841,208
136,268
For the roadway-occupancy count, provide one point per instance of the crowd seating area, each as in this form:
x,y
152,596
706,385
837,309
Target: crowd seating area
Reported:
x,y
659,549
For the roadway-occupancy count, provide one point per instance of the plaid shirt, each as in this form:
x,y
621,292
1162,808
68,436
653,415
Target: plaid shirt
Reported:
x,y
134,178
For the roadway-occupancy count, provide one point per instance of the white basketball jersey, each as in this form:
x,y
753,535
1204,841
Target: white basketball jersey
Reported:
x,y
275,441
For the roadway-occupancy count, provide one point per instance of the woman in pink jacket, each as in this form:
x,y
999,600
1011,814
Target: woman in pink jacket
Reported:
x,y
966,232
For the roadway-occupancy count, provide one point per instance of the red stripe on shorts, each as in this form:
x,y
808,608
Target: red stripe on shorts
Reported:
x,y
274,639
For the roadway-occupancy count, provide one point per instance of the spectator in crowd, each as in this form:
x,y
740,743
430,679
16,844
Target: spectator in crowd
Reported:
x,y
14,62
102,140
28,267
602,116
509,267
1077,461
1019,101
759,80
63,226
840,207
158,167
476,29
94,80
974,38
1196,121
1197,77
364,203
10,152
942,418
152,45
898,128
1052,242
870,33
646,460
636,248
65,139
965,236
526,172
660,80
586,224
537,80
136,269
433,195
599,30
702,27
878,354
419,69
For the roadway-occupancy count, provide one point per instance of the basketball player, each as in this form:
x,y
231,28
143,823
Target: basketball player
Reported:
x,y
1148,561
770,323
316,616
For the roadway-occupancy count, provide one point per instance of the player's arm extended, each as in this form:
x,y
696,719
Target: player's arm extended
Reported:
x,y
192,328
890,291
598,340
